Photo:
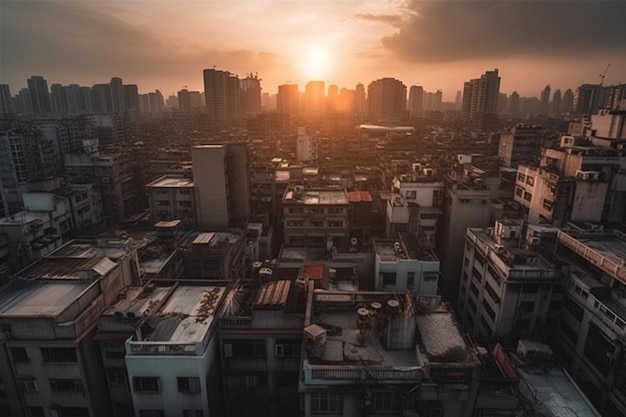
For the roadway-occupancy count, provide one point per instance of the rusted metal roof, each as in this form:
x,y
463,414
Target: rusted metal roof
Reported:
x,y
203,239
273,293
359,196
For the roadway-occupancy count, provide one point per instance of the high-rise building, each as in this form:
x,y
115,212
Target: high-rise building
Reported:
x,y
215,90
6,101
131,96
544,100
220,176
333,99
288,100
314,98
386,99
59,99
567,101
117,95
360,101
189,101
23,102
416,98
250,94
555,105
480,99
39,94
514,103
101,98
73,98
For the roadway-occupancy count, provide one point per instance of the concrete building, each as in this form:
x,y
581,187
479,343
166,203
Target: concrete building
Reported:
x,y
315,216
261,344
48,313
610,123
591,336
172,359
314,98
39,95
521,145
384,353
416,97
468,202
415,204
288,100
480,99
386,99
213,256
405,264
222,185
307,146
172,198
508,288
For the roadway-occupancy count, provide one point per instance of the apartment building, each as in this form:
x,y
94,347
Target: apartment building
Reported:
x,y
509,287
406,264
213,255
172,358
261,343
172,198
591,339
315,215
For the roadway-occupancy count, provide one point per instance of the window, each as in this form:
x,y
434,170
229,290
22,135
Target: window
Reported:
x,y
384,402
411,195
410,278
73,412
189,385
184,192
151,413
388,278
334,210
335,224
316,223
464,201
530,180
116,376
193,413
287,348
19,354
521,177
184,203
326,402
244,347
489,310
518,191
28,385
146,384
35,412
163,203
528,196
59,355
66,385
430,276
295,223
547,204
530,289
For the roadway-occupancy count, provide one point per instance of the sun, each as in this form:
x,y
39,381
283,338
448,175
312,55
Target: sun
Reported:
x,y
316,63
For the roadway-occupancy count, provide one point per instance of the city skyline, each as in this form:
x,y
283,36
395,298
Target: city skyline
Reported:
x,y
437,45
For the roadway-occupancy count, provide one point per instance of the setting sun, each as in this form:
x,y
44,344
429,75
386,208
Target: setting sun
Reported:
x,y
316,63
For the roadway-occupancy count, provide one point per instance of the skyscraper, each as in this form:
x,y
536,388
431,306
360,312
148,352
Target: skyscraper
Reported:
x,y
101,98
314,97
6,101
59,99
480,99
556,102
288,99
567,101
544,101
250,94
416,98
514,103
39,94
386,99
215,92
131,96
360,102
117,95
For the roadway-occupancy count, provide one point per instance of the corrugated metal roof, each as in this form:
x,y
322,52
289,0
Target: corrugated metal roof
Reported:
x,y
104,266
273,293
68,268
203,238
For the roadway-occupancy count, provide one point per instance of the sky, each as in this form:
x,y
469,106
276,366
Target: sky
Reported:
x,y
436,44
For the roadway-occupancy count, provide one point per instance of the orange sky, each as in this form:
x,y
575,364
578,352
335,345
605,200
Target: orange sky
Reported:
x,y
167,44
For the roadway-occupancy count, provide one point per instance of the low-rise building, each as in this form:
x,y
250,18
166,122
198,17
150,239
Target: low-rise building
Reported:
x,y
172,198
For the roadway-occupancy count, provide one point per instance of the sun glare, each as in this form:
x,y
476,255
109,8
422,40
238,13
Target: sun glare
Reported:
x,y
316,63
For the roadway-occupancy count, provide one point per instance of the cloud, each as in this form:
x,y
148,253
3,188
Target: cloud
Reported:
x,y
87,44
446,31
390,19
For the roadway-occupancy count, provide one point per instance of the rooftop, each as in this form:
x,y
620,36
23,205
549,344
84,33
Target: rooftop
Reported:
x,y
316,197
171,182
24,218
40,299
359,196
68,268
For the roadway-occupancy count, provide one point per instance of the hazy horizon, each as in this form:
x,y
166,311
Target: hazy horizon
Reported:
x,y
165,45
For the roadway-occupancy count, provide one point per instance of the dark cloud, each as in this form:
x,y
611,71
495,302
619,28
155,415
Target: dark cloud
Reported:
x,y
85,43
441,31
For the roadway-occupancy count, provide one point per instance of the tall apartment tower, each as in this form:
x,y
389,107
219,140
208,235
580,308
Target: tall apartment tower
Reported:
x,y
314,98
288,99
117,95
6,102
416,96
220,176
360,101
215,92
544,100
480,99
250,94
39,94
386,99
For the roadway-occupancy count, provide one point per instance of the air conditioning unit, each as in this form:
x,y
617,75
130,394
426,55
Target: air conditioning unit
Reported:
x,y
587,175
354,241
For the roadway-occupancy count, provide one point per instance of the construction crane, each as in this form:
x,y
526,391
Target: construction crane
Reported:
x,y
604,75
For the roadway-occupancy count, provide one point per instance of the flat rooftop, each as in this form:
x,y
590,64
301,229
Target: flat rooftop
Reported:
x,y
171,182
68,268
316,197
111,248
45,299
24,218
440,337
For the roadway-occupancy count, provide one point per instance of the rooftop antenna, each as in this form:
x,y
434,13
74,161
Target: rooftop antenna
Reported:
x,y
604,75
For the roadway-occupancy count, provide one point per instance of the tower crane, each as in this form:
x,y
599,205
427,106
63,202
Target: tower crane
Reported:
x,y
604,75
